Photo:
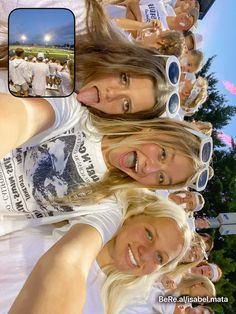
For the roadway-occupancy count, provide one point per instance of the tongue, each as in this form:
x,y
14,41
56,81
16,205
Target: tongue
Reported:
x,y
88,96
130,160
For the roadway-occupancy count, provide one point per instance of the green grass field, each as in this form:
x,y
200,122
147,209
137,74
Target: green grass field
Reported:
x,y
57,53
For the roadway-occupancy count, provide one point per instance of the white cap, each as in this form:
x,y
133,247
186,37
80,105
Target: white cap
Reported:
x,y
197,40
34,59
26,58
40,55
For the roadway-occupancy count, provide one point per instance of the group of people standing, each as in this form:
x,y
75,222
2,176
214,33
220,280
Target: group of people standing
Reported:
x,y
87,180
39,73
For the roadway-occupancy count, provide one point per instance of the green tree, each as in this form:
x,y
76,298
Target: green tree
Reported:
x,y
220,194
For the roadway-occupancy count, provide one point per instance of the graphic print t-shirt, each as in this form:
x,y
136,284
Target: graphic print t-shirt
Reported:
x,y
52,164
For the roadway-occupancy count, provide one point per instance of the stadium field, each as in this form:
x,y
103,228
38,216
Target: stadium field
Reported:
x,y
49,52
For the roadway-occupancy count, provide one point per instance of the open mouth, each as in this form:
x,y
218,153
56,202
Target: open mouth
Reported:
x,y
131,257
89,96
130,161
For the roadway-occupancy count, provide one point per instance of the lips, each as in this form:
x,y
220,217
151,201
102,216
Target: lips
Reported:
x,y
89,96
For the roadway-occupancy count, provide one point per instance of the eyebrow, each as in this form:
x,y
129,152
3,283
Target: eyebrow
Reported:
x,y
163,252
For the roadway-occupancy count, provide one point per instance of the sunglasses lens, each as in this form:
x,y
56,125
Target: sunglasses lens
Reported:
x,y
202,180
207,152
173,104
174,73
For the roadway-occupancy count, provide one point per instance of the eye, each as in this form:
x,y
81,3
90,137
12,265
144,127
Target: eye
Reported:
x,y
124,78
163,154
126,106
161,178
149,235
159,258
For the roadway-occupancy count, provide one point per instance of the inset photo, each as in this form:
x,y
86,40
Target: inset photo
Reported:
x,y
41,52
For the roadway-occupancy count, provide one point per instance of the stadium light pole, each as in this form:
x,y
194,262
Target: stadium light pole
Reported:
x,y
23,38
47,38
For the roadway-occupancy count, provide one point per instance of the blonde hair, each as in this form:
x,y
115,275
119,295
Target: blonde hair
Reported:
x,y
170,133
104,50
120,289
172,43
204,126
189,280
198,59
201,98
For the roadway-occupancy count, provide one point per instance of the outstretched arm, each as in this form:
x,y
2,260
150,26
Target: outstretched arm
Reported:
x,y
58,281
21,119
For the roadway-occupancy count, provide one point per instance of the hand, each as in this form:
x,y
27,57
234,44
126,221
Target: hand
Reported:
x,y
168,283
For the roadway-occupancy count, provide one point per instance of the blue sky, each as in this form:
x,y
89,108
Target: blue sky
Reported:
x,y
35,23
218,30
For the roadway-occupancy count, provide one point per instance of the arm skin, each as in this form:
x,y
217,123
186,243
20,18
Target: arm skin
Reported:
x,y
58,281
21,119
131,25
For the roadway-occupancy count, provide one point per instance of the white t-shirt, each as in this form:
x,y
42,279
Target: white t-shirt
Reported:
x,y
53,68
65,88
19,71
155,9
50,165
21,250
40,71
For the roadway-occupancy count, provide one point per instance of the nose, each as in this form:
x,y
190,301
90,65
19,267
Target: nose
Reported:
x,y
147,255
113,93
151,166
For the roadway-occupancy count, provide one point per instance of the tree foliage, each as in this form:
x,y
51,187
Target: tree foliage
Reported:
x,y
220,194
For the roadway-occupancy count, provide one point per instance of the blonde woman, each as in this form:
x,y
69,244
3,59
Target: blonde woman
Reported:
x,y
62,159
126,267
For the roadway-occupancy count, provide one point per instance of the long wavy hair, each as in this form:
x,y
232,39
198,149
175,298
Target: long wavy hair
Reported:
x,y
120,289
166,133
189,280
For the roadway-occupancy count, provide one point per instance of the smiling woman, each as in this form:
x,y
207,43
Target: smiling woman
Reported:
x,y
140,252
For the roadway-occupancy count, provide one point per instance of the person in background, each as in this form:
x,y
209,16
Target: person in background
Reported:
x,y
189,200
193,40
191,61
40,72
210,270
19,73
192,95
208,240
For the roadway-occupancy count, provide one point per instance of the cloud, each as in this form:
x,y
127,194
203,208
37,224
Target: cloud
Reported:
x,y
230,87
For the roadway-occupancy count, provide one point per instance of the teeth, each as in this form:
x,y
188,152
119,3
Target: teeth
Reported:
x,y
131,257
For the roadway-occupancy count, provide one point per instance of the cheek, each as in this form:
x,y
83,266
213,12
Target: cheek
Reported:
x,y
151,268
148,180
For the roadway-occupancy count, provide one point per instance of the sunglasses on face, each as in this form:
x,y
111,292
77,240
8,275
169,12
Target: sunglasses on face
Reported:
x,y
173,73
200,180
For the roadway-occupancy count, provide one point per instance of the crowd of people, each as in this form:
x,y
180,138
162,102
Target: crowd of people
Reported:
x,y
99,190
31,76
